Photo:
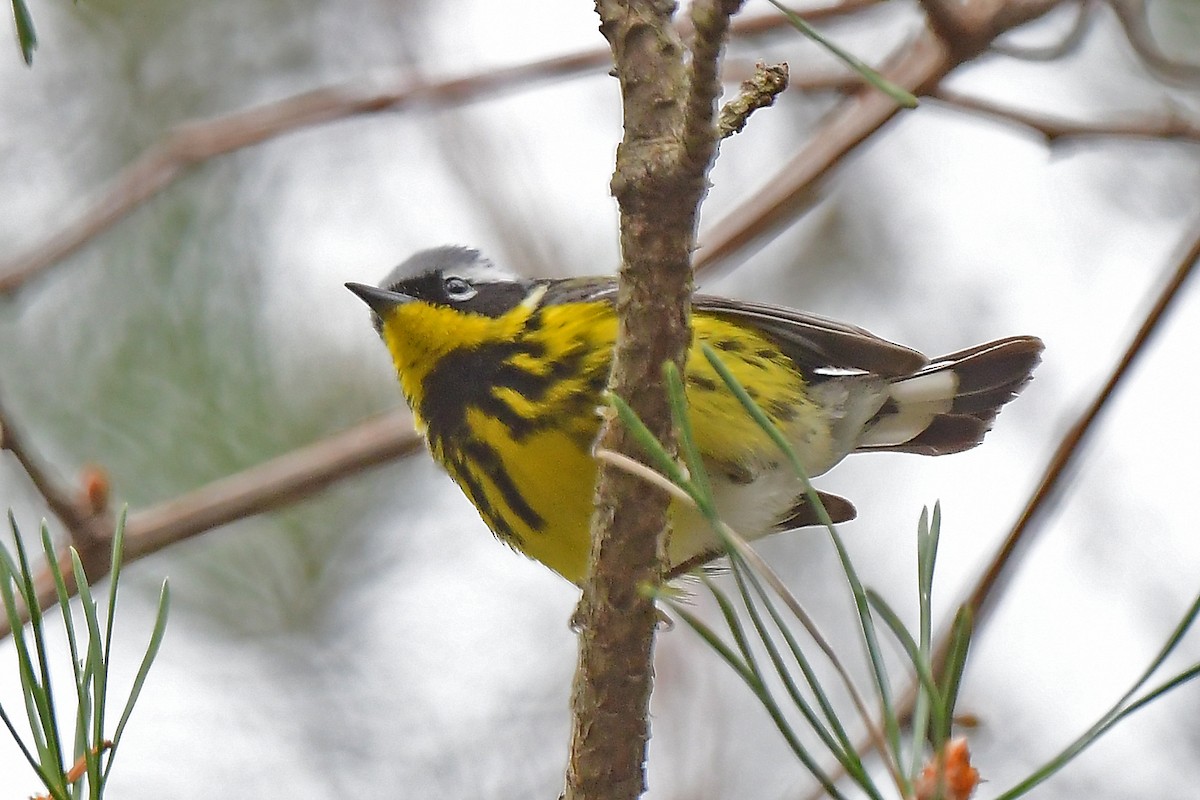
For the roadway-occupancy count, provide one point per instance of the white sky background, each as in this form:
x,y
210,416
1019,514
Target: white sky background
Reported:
x,y
377,640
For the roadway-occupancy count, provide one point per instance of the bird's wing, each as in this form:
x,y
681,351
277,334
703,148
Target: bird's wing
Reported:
x,y
815,343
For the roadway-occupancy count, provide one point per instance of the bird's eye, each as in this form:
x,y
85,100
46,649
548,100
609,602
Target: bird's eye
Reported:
x,y
458,288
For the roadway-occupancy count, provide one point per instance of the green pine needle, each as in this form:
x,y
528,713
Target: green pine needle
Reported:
x,y
658,454
891,724
89,666
26,36
933,712
956,662
1120,710
900,95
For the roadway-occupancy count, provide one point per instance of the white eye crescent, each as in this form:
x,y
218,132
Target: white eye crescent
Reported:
x,y
458,288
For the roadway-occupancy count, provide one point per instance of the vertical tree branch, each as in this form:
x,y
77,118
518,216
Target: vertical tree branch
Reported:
x,y
659,181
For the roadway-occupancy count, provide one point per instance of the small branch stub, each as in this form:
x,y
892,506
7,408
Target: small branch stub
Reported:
x,y
758,92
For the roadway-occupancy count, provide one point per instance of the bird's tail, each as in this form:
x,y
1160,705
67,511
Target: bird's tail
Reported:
x,y
949,404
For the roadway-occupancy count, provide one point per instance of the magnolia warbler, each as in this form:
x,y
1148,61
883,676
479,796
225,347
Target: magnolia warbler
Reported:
x,y
504,375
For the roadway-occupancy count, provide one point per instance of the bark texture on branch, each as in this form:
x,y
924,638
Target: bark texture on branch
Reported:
x,y
659,181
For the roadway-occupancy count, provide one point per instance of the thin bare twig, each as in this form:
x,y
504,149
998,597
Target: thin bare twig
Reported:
x,y
710,27
919,67
1169,126
1132,16
265,487
59,499
89,528
195,142
192,143
275,483
1060,49
781,197
982,598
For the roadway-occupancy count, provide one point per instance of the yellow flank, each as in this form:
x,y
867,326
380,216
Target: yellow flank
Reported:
x,y
518,442
772,381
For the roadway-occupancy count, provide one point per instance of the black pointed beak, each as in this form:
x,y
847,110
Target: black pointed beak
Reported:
x,y
380,300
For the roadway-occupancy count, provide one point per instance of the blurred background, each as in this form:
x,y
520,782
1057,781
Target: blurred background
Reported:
x,y
375,639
